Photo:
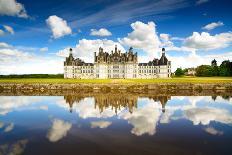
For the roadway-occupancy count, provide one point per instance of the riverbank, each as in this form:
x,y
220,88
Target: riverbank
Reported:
x,y
107,85
182,80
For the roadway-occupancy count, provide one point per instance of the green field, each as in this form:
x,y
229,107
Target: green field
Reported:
x,y
122,81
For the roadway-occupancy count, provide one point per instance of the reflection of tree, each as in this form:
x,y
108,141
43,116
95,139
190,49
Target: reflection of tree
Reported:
x,y
226,97
115,101
214,97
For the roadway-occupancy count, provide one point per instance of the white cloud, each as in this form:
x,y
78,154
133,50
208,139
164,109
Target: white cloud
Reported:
x,y
44,49
85,48
143,36
2,32
194,60
9,29
13,60
12,8
58,130
9,127
101,32
58,26
4,45
100,124
213,131
201,2
206,41
166,40
212,26
208,114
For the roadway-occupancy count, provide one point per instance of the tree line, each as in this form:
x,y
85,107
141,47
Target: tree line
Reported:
x,y
224,69
33,76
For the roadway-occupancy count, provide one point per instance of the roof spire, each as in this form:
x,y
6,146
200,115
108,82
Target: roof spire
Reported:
x,y
163,51
115,48
70,51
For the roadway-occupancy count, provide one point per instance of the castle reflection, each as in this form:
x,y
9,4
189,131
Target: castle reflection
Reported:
x,y
115,101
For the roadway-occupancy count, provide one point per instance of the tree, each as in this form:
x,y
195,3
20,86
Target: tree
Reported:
x,y
204,70
179,72
225,68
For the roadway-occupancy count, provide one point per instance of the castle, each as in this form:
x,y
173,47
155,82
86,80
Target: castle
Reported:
x,y
117,65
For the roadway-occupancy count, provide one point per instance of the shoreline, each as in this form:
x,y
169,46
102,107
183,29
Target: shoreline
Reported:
x,y
130,87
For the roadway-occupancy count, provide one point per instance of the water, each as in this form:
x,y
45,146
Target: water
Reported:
x,y
115,123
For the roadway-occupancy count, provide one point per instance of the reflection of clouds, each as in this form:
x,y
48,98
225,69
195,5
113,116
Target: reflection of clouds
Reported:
x,y
1,124
58,130
13,149
207,114
165,117
9,127
43,107
100,124
144,119
12,103
86,109
213,131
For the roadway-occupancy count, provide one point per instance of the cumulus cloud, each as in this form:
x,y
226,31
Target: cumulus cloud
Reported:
x,y
58,26
9,29
101,32
213,131
212,26
143,36
9,127
4,45
208,114
166,40
12,8
85,48
199,2
100,124
206,41
58,130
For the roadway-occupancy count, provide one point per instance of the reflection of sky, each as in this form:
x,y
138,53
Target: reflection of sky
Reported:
x,y
50,117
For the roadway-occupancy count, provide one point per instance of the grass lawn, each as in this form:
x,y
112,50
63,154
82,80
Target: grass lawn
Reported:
x,y
122,81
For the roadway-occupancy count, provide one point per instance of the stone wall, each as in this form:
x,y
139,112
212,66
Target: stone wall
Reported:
x,y
116,87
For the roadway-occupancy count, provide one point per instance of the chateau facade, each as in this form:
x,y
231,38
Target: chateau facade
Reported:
x,y
117,65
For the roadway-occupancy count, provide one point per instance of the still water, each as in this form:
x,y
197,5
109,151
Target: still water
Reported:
x,y
113,124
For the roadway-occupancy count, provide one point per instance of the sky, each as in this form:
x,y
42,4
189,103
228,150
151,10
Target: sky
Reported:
x,y
35,35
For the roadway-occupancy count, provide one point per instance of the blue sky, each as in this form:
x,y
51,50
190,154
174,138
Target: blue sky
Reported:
x,y
35,36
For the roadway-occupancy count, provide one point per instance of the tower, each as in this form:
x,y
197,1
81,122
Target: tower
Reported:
x,y
214,63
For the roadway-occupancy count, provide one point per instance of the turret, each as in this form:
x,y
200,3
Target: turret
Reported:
x,y
163,51
115,48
